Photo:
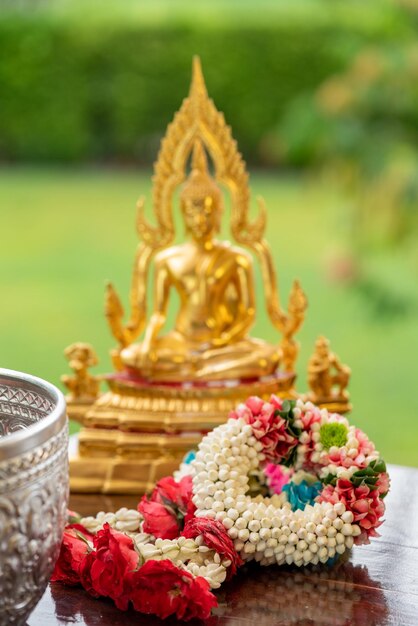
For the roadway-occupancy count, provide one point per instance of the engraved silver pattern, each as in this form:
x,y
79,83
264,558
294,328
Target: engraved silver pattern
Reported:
x,y
19,408
33,491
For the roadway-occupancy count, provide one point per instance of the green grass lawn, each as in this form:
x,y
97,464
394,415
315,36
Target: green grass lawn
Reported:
x,y
65,232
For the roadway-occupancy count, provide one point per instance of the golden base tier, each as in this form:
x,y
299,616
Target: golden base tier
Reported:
x,y
111,461
139,432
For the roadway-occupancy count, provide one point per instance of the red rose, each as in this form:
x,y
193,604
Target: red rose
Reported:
x,y
160,588
364,503
178,493
159,520
268,427
168,507
108,570
216,538
76,543
85,574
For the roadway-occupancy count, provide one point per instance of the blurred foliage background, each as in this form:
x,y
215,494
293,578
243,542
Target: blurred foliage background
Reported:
x,y
322,97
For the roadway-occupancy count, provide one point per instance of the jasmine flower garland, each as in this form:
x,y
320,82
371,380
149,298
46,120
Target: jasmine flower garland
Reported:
x,y
197,528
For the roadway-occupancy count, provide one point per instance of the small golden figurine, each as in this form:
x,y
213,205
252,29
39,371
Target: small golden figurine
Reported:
x,y
328,378
82,386
174,384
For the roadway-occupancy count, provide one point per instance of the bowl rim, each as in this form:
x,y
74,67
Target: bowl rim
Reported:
x,y
38,433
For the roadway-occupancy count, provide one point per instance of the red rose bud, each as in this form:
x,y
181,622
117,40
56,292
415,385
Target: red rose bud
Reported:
x,y
160,588
216,538
111,566
76,543
168,507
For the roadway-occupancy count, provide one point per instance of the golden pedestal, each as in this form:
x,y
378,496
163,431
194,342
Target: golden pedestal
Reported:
x,y
138,432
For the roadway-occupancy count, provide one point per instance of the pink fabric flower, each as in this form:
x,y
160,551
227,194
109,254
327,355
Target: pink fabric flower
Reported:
x,y
268,427
277,477
364,503
383,484
341,458
366,447
312,416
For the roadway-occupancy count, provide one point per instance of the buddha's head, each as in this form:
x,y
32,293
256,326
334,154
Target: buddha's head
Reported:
x,y
201,198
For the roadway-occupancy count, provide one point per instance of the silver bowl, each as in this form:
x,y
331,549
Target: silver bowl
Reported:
x,y
33,489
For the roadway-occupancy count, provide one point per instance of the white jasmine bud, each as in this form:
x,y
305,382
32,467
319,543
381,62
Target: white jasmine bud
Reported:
x,y
233,532
347,530
249,548
261,546
321,530
233,514
339,508
254,525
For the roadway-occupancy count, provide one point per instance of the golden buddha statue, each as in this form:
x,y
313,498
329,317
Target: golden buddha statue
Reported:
x,y
215,284
176,384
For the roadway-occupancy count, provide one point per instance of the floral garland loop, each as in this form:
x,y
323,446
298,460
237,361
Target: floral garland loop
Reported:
x,y
320,484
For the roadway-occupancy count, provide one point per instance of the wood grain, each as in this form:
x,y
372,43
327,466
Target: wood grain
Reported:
x,y
377,585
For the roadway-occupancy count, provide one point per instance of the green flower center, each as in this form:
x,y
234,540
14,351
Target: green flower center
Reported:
x,y
333,435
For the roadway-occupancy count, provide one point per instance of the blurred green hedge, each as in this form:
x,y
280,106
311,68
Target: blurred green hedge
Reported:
x,y
74,90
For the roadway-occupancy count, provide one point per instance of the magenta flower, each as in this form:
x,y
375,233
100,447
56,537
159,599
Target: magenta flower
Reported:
x,y
277,477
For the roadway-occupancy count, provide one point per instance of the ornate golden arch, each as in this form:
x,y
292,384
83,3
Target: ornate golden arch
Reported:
x,y
198,118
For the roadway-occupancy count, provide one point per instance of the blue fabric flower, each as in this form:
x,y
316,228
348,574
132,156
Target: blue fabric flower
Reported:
x,y
299,495
332,561
189,457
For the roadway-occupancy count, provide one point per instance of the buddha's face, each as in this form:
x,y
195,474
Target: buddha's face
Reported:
x,y
202,216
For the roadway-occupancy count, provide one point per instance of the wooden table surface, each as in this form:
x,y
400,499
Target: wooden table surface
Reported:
x,y
376,585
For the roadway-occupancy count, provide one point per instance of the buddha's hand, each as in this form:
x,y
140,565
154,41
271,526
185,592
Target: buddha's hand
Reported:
x,y
143,358
221,341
